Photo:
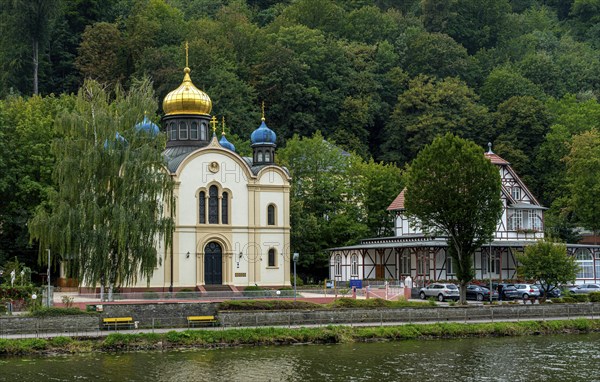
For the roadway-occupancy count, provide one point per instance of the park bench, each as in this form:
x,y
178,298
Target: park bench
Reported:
x,y
116,322
192,320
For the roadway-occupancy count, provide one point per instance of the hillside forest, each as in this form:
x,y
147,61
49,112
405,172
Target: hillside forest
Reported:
x,y
353,88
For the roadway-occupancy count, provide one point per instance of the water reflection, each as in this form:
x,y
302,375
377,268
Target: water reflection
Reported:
x,y
555,358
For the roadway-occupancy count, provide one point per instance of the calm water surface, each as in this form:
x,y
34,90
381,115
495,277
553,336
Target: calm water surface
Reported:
x,y
555,358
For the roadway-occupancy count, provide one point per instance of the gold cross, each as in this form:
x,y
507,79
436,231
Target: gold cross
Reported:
x,y
186,54
263,110
213,121
223,125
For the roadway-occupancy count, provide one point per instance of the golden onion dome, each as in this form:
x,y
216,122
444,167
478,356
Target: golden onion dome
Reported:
x,y
187,99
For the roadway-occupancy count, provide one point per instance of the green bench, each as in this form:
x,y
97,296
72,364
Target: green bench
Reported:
x,y
193,320
116,322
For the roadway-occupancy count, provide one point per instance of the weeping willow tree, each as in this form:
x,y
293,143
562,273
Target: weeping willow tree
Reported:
x,y
113,202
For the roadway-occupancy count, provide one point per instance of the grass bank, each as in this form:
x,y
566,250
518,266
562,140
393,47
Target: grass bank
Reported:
x,y
118,342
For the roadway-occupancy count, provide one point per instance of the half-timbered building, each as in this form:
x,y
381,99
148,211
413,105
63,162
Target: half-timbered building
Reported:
x,y
425,258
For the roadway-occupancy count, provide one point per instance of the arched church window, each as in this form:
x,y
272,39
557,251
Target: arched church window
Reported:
x,y
584,259
338,265
225,208
183,133
213,205
260,156
271,215
203,132
354,261
202,207
272,258
267,156
194,131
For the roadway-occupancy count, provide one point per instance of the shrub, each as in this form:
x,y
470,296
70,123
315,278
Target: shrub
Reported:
x,y
254,291
568,300
56,312
594,296
68,301
580,297
267,305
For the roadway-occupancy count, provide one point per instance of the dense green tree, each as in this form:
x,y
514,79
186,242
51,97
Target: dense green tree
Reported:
x,y
475,24
503,83
452,190
583,180
325,207
26,133
430,108
101,54
437,54
521,125
548,263
113,199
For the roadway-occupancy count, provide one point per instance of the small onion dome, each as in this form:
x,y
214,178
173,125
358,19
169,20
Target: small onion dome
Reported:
x,y
225,143
263,135
119,139
147,126
187,99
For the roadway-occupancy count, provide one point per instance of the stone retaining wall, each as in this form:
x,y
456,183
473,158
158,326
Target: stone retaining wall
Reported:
x,y
357,316
175,315
70,325
160,314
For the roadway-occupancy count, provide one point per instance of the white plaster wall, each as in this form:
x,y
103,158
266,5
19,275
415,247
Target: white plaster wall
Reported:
x,y
195,175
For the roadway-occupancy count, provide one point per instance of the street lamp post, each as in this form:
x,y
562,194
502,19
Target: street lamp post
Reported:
x,y
295,258
48,276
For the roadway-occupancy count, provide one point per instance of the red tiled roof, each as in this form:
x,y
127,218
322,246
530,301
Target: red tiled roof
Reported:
x,y
495,159
398,203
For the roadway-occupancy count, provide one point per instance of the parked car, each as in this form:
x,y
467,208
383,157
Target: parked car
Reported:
x,y
507,291
555,292
526,291
440,291
585,288
480,293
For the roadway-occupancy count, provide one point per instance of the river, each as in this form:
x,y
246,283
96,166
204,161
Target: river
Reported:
x,y
563,358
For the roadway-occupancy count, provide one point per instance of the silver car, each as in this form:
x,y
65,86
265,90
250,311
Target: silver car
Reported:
x,y
526,291
440,291
586,288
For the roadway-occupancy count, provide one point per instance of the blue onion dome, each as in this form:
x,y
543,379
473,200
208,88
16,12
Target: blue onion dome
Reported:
x,y
147,126
119,139
263,134
225,143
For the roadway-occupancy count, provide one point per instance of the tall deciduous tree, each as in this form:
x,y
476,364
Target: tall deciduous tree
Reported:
x,y
583,169
454,191
113,201
547,261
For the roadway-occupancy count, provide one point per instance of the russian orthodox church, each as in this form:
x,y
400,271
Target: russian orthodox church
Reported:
x,y
232,223
425,258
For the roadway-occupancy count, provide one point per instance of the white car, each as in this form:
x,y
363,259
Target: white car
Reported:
x,y
440,291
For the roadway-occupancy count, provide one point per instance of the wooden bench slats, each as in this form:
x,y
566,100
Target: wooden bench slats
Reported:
x,y
201,319
117,319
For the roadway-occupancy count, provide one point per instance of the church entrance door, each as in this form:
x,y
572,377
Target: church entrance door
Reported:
x,y
213,264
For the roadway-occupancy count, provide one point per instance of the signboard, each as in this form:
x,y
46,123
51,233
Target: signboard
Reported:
x,y
356,283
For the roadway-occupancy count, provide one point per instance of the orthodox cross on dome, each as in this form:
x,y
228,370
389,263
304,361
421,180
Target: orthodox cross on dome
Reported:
x,y
223,125
490,148
213,122
263,111
187,46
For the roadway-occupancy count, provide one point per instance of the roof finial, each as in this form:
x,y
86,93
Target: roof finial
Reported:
x,y
186,54
263,111
490,148
223,125
213,122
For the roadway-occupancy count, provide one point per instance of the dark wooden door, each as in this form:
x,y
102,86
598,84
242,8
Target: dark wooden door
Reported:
x,y
213,264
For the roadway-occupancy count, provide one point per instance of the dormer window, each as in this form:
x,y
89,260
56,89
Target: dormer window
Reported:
x,y
516,193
